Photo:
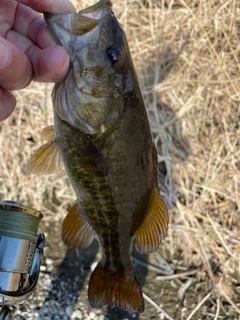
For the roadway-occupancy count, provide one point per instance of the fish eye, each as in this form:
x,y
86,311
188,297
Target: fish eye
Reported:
x,y
113,55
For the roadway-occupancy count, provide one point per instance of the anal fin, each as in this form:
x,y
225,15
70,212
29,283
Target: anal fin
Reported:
x,y
76,232
122,290
154,226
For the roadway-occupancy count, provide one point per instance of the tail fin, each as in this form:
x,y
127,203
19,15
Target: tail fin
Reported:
x,y
112,288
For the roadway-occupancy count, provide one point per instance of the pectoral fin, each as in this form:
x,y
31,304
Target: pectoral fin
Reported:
x,y
46,159
76,232
48,133
94,161
154,226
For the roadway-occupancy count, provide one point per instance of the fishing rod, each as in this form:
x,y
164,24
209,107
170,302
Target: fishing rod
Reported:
x,y
21,249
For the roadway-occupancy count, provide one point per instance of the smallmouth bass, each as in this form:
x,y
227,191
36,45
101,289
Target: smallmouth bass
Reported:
x,y
102,136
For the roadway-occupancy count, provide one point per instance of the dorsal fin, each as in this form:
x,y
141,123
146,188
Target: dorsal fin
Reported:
x,y
46,159
48,133
76,232
154,226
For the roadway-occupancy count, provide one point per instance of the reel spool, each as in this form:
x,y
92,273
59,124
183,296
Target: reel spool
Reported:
x,y
21,249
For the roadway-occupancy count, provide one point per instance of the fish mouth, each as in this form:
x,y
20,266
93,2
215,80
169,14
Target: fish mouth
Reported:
x,y
95,11
65,25
89,18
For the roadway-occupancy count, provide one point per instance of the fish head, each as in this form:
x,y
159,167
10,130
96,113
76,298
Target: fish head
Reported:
x,y
91,97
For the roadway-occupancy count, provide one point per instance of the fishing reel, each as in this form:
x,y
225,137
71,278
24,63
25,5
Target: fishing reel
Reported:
x,y
21,249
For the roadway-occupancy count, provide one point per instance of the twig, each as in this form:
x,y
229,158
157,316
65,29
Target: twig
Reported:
x,y
221,238
229,300
164,270
178,275
218,309
160,310
199,305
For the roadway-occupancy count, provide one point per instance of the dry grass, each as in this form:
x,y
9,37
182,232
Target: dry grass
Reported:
x,y
187,57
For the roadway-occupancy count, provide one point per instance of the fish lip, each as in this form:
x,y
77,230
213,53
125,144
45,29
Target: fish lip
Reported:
x,y
99,5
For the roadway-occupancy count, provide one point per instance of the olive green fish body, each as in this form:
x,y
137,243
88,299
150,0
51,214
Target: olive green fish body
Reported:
x,y
115,204
103,137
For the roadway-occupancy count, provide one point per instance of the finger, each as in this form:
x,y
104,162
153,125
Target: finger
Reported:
x,y
15,67
30,24
50,64
19,41
7,13
53,6
7,104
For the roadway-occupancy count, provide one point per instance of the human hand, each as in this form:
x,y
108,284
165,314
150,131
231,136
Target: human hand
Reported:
x,y
27,49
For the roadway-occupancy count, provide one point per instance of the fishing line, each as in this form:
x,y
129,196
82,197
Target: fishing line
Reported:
x,y
19,222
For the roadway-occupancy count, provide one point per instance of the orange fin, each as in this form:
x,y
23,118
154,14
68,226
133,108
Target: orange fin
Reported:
x,y
154,226
48,133
46,159
119,289
76,232
94,161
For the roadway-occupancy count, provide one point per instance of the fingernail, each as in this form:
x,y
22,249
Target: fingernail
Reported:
x,y
5,55
70,6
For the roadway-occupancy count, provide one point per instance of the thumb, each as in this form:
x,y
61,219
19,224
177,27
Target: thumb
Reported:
x,y
15,67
